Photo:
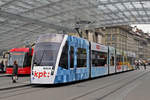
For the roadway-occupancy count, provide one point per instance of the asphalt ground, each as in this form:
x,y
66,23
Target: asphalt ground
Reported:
x,y
132,85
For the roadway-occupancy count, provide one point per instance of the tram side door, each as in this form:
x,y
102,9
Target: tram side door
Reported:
x,y
72,63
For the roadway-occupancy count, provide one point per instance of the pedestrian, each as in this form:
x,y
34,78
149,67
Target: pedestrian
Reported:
x,y
2,66
15,72
144,65
137,65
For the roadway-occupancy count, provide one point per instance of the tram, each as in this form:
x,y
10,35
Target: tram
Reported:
x,y
59,58
112,60
119,61
23,57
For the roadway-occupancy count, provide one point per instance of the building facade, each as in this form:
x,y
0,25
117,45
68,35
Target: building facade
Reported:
x,y
94,35
128,39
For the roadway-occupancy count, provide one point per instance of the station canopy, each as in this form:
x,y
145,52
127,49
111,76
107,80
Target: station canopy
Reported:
x,y
21,21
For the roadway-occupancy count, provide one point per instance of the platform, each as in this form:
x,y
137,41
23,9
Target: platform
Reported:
x,y
6,81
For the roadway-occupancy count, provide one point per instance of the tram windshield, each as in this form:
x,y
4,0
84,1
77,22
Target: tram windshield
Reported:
x,y
46,50
18,56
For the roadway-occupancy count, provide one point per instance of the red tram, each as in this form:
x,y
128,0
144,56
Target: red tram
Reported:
x,y
23,57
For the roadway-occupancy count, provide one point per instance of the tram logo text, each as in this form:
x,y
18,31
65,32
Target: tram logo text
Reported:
x,y
41,74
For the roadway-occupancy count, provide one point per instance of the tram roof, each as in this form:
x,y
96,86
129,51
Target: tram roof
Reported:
x,y
24,20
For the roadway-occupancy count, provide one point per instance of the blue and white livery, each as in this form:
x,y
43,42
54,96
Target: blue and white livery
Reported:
x,y
60,58
99,59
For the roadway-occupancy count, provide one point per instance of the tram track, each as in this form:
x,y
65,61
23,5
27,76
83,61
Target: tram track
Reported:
x,y
122,86
30,89
14,87
109,85
19,91
19,86
25,85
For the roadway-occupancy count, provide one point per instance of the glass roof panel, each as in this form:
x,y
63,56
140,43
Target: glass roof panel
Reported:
x,y
146,4
112,7
23,4
2,2
138,5
58,15
120,6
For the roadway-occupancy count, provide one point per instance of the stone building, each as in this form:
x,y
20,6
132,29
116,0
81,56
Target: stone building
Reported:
x,y
116,37
94,35
128,39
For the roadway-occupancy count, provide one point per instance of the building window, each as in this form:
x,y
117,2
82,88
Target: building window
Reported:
x,y
113,45
108,37
108,44
113,38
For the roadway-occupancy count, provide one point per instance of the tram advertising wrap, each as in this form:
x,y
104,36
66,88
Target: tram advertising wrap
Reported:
x,y
60,58
99,58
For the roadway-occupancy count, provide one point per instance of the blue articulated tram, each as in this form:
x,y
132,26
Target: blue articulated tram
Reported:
x,y
59,58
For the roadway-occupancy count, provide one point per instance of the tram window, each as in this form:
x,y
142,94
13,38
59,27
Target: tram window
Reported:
x,y
81,57
112,61
130,60
119,60
99,59
71,57
27,61
64,57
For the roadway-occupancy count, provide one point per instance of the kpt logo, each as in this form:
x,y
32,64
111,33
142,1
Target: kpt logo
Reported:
x,y
41,74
